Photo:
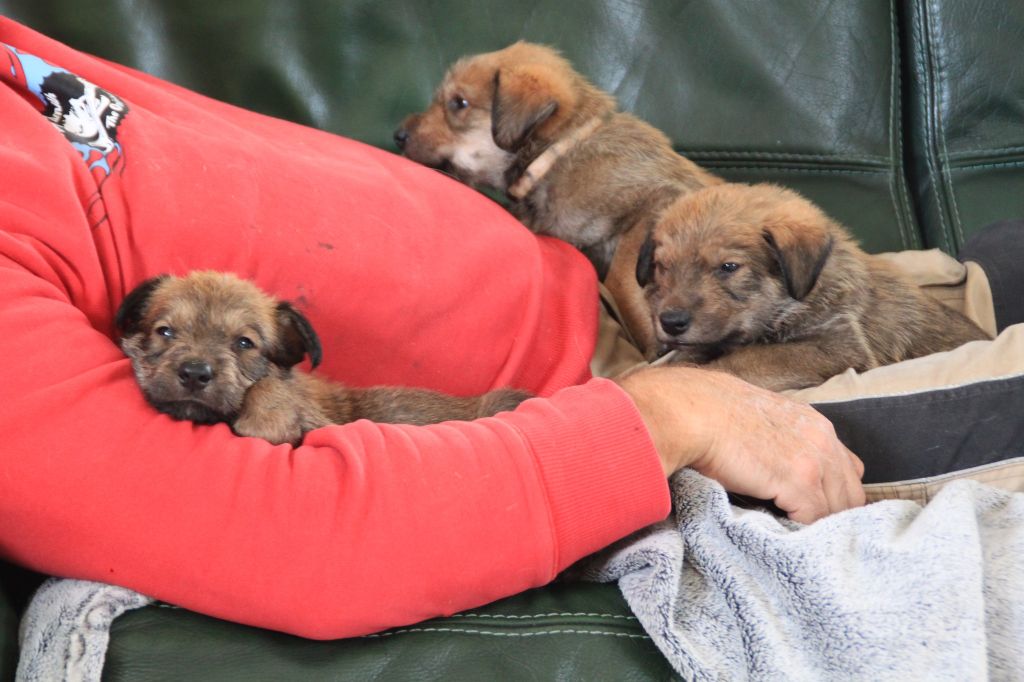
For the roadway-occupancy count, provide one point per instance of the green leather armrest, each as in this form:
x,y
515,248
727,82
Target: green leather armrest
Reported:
x,y
563,632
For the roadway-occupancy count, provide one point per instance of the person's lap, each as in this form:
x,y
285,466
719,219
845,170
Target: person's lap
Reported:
x,y
920,423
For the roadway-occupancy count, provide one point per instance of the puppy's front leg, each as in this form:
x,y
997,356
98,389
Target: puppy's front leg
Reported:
x,y
782,366
402,405
277,409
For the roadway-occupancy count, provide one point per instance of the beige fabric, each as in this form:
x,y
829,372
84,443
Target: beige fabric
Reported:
x,y
977,299
1008,475
962,286
927,268
975,361
616,352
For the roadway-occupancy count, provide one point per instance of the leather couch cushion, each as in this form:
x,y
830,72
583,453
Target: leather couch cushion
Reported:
x,y
565,632
967,84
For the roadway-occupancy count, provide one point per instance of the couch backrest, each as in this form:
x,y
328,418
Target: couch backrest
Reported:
x,y
905,120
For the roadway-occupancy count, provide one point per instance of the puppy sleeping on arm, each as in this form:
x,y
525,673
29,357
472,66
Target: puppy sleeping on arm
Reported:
x,y
210,347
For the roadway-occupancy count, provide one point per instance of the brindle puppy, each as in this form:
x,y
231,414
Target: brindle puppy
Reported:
x,y
757,281
522,121
210,347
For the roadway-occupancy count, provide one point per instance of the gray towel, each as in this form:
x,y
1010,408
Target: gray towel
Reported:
x,y
65,630
891,591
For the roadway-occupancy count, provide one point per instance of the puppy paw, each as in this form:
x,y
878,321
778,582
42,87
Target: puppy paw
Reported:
x,y
277,428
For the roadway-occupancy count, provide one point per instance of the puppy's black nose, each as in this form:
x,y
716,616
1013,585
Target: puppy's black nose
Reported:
x,y
195,374
401,137
674,322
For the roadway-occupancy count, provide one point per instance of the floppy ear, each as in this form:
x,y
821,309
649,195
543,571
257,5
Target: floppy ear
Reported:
x,y
800,250
133,307
296,338
645,262
524,97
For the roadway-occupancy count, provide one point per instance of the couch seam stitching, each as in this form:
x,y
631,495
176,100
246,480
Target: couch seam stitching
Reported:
x,y
578,614
994,164
940,135
794,169
894,100
470,631
785,155
928,106
989,150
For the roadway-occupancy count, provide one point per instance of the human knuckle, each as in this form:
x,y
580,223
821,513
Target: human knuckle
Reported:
x,y
807,470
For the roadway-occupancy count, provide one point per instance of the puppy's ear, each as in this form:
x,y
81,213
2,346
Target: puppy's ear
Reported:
x,y
800,251
133,308
524,98
296,338
645,262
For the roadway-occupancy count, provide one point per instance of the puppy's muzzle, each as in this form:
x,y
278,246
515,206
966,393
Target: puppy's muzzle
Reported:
x,y
675,322
195,375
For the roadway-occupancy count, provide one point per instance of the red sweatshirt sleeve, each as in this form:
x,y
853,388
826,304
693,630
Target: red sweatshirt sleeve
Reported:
x,y
408,277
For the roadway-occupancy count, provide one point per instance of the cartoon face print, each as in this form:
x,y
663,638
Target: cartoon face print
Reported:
x,y
85,113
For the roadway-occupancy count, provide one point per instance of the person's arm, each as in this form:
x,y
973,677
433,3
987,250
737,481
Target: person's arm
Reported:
x,y
364,527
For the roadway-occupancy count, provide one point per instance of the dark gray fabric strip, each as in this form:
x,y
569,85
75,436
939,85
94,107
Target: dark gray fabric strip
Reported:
x,y
999,250
933,432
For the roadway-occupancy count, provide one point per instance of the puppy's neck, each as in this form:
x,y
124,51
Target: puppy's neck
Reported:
x,y
540,166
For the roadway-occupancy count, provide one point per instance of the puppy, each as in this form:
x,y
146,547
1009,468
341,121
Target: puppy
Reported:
x,y
757,281
210,347
522,121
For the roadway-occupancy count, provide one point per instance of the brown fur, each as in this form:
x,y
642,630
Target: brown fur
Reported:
x,y
803,303
518,102
210,347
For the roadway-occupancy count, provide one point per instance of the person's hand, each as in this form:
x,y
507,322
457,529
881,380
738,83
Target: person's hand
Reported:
x,y
754,442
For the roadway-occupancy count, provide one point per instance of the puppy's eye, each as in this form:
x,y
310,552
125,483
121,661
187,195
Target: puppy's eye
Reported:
x,y
729,267
458,103
244,343
165,332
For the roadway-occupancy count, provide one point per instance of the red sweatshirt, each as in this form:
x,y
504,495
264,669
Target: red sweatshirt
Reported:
x,y
107,177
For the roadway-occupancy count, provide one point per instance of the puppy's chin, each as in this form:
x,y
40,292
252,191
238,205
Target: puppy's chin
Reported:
x,y
445,166
190,410
482,164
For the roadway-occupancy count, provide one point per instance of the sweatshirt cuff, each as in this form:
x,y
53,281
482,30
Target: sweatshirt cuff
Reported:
x,y
601,473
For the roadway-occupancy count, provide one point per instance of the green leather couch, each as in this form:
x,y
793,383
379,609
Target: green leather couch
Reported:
x,y
904,119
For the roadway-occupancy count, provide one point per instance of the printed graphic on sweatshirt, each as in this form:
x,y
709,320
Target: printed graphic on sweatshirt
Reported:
x,y
86,114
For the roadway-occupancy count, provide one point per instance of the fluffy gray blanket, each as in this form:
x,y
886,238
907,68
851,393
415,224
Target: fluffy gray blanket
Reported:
x,y
891,591
66,628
